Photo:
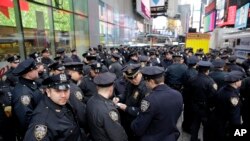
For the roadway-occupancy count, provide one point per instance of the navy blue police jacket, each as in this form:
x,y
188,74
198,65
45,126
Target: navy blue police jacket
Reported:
x,y
159,114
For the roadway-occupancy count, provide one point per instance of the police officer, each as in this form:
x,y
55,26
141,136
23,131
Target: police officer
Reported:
x,y
246,64
133,57
218,72
87,84
116,67
46,60
12,80
75,71
102,115
56,68
54,118
160,110
232,66
144,60
63,57
26,94
74,56
245,99
129,103
203,89
174,73
167,60
189,74
227,108
6,121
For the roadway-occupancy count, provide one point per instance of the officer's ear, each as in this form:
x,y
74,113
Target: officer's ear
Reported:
x,y
48,91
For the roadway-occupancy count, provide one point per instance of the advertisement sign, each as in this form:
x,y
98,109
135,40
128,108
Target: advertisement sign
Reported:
x,y
156,3
242,16
220,7
143,8
209,22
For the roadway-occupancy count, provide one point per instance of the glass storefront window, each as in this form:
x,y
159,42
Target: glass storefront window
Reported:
x,y
81,34
103,32
64,33
8,31
81,7
36,28
62,4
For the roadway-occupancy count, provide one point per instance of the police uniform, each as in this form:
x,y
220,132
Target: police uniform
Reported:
x,y
26,95
55,66
174,73
74,57
217,74
11,79
87,84
51,121
116,67
102,115
6,121
189,74
64,58
227,110
160,111
203,89
46,60
132,98
246,64
245,99
131,60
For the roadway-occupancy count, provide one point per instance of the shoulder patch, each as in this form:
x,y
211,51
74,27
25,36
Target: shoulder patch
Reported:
x,y
113,115
234,101
215,86
25,100
79,95
144,105
40,132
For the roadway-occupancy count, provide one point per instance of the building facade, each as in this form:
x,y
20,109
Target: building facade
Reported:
x,y
32,25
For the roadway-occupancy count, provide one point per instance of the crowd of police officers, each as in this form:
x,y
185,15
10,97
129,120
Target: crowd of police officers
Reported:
x,y
124,94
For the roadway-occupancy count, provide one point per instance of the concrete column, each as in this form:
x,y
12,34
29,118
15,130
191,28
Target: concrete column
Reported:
x,y
93,15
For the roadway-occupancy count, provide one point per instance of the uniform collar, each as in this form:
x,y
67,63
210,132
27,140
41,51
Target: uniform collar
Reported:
x,y
29,83
161,87
58,109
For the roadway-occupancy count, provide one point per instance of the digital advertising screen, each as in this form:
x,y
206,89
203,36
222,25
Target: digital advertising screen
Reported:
x,y
242,16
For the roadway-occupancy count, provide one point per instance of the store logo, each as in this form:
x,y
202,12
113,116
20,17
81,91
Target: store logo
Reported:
x,y
240,132
156,1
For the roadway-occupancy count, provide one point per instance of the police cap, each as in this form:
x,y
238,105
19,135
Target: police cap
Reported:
x,y
57,58
59,82
60,51
56,66
232,58
76,66
73,50
205,64
36,56
233,76
116,56
25,67
131,70
218,63
46,50
133,53
96,66
90,57
143,58
152,72
177,55
105,79
192,60
14,58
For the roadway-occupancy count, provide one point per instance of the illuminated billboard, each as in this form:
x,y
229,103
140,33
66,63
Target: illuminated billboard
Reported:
x,y
242,16
209,22
143,8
